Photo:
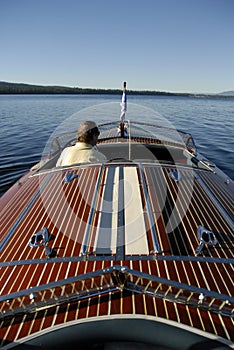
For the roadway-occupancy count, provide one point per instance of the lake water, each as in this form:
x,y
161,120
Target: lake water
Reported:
x,y
27,121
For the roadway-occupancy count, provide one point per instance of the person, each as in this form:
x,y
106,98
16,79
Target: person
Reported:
x,y
85,150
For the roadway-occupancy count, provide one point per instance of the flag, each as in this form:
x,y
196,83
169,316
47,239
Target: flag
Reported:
x,y
123,105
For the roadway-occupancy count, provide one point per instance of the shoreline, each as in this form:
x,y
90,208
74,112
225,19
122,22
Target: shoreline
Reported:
x,y
23,89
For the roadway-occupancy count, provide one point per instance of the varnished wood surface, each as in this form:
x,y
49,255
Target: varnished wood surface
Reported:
x,y
85,211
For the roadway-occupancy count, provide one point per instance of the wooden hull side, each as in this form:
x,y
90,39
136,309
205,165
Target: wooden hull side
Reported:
x,y
150,267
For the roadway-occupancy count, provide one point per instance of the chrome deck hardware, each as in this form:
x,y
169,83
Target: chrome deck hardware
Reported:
x,y
114,279
205,237
40,238
175,175
69,177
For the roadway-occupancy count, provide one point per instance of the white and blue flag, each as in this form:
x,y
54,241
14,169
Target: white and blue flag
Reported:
x,y
123,104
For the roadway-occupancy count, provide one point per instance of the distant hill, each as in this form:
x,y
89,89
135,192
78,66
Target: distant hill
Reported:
x,y
227,93
22,88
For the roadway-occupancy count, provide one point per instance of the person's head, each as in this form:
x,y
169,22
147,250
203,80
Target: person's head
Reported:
x,y
88,132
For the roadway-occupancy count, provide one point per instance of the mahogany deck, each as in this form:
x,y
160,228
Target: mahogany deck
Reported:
x,y
156,237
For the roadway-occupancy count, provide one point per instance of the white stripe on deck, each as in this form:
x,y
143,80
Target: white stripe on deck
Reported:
x,y
135,230
106,236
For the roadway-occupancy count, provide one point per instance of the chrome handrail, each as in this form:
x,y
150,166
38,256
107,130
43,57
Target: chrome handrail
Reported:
x,y
113,279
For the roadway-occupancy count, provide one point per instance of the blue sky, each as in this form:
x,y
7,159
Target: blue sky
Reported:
x,y
165,45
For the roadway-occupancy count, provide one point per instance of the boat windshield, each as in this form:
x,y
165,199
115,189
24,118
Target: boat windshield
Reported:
x,y
143,135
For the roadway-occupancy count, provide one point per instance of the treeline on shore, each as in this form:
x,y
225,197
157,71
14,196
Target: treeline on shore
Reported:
x,y
17,88
20,88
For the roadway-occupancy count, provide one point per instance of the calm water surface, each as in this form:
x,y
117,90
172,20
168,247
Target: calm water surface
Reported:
x,y
27,121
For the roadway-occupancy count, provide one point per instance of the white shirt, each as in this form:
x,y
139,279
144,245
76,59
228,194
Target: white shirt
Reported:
x,y
80,153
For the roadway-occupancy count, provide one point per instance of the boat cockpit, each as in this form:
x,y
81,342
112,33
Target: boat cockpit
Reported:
x,y
136,142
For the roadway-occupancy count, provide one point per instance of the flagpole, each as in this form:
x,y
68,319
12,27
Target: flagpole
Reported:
x,y
123,108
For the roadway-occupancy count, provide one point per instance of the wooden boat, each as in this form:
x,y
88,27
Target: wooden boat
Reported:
x,y
133,253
